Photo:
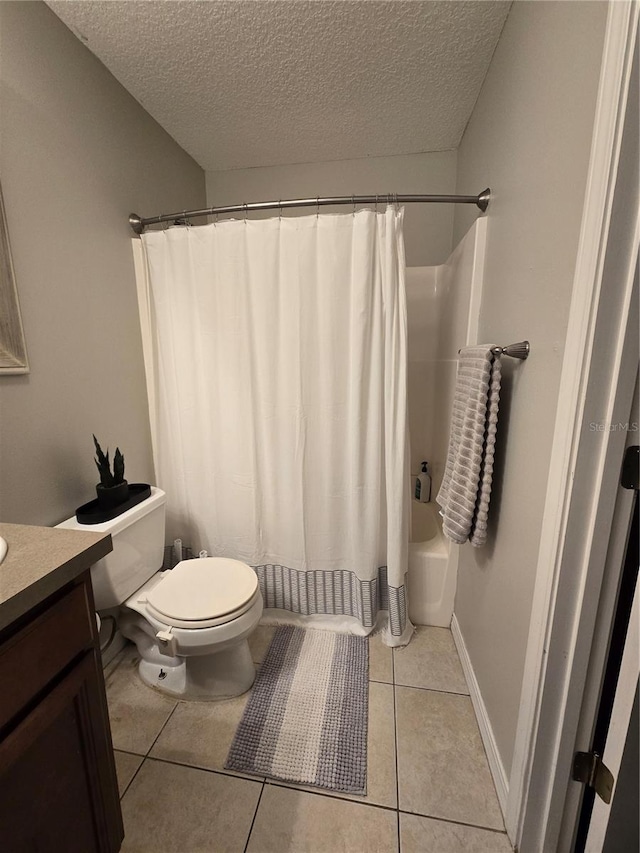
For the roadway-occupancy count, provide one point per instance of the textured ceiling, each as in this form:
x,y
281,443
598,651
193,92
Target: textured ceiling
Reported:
x,y
241,83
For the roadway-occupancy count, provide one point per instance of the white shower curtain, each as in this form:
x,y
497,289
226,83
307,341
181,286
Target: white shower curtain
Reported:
x,y
276,363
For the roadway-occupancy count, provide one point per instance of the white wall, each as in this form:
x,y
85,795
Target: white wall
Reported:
x,y
78,154
427,227
528,139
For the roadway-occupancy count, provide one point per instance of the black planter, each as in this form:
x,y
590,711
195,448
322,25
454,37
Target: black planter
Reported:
x,y
93,513
111,496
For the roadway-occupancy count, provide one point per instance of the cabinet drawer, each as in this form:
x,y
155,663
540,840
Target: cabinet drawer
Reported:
x,y
37,653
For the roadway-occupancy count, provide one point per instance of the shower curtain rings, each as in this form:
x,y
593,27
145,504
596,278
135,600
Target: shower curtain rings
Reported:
x,y
246,211
317,207
376,202
353,202
280,209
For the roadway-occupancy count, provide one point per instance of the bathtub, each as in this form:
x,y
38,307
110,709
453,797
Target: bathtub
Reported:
x,y
432,571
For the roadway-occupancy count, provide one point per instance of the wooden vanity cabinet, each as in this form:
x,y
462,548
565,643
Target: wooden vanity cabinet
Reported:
x,y
58,786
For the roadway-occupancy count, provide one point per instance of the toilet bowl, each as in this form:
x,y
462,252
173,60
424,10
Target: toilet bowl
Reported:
x,y
191,626
191,623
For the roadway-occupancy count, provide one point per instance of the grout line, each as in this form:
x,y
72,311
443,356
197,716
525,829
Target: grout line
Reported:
x,y
129,752
244,778
129,783
456,822
122,654
395,735
146,755
255,814
155,740
434,690
322,792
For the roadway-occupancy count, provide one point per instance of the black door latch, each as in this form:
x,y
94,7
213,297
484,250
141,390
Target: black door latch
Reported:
x,y
630,476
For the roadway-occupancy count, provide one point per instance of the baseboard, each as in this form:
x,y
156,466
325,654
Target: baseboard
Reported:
x,y
486,732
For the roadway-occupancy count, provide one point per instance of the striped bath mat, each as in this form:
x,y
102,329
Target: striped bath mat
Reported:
x,y
306,719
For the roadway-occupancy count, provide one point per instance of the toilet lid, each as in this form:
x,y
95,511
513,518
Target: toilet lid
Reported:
x,y
205,588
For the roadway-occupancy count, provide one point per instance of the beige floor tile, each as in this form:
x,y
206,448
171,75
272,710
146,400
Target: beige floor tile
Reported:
x,y
425,835
126,766
381,752
381,747
171,809
291,821
430,660
260,640
137,712
380,660
200,733
442,768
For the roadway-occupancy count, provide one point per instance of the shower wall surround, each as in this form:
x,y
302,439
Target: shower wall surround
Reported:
x,y
443,308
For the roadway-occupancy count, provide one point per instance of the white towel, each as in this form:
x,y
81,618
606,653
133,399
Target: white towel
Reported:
x,y
466,486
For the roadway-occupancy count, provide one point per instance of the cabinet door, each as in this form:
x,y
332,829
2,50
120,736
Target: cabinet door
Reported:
x,y
53,769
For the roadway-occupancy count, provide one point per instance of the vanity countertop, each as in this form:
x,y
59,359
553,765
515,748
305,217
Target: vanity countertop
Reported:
x,y
40,561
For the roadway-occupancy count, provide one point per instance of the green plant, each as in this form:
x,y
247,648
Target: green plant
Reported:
x,y
103,465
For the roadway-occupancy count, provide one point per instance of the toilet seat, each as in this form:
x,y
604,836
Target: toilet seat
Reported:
x,y
203,593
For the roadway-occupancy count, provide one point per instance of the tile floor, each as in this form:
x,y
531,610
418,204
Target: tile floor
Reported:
x,y
429,787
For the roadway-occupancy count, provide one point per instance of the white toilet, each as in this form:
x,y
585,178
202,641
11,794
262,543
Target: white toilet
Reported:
x,y
191,623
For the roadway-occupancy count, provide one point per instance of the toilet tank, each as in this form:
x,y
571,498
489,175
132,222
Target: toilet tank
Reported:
x,y
138,550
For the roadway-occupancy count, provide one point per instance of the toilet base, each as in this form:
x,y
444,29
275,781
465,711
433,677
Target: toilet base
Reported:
x,y
201,663
223,675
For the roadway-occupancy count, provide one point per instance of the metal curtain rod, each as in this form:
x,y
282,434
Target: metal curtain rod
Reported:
x,y
482,201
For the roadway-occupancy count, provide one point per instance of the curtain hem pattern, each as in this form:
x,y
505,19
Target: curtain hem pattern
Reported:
x,y
335,593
